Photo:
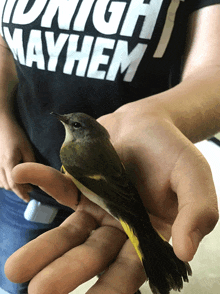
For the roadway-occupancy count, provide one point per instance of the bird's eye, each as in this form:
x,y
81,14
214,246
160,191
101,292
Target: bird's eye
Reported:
x,y
77,125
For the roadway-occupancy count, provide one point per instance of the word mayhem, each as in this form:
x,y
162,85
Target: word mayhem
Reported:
x,y
61,34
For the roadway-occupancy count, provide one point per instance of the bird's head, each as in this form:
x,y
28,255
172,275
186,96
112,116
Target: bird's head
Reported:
x,y
80,125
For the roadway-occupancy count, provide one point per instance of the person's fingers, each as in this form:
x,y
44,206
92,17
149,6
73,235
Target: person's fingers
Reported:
x,y
192,224
27,152
198,208
6,178
4,181
61,188
21,190
49,180
79,264
30,259
125,275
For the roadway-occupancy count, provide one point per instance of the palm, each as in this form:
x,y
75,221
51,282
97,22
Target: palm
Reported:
x,y
71,248
168,172
171,175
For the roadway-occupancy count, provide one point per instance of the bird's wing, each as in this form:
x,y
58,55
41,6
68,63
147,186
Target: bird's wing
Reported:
x,y
113,187
117,195
100,170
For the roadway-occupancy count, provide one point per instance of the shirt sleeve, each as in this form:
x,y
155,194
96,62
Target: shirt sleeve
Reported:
x,y
197,4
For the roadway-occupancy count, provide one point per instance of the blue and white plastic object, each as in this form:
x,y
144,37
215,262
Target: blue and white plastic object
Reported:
x,y
40,213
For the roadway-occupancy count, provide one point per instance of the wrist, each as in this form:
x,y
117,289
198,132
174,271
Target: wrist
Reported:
x,y
146,110
184,106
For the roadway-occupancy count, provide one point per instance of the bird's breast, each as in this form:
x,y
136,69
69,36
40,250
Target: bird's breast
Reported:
x,y
88,193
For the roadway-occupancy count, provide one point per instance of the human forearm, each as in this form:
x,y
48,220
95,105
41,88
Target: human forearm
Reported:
x,y
193,105
15,146
8,80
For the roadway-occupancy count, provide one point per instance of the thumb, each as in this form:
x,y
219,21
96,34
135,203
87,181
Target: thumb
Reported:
x,y
198,209
193,222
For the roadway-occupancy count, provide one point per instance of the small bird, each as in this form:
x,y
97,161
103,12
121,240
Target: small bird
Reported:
x,y
88,156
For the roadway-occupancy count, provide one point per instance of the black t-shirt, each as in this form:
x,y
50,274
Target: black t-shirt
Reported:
x,y
90,56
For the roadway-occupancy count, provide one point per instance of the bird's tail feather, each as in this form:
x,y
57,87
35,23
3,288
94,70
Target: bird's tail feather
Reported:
x,y
163,268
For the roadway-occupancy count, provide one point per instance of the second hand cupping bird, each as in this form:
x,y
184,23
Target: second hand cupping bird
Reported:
x,y
88,156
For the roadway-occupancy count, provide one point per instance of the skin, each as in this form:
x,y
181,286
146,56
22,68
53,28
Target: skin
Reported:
x,y
15,146
154,138
73,241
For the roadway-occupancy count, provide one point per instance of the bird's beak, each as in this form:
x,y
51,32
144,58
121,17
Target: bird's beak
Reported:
x,y
60,117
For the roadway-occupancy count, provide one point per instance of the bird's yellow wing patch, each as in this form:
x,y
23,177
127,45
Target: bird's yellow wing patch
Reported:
x,y
134,240
132,237
97,200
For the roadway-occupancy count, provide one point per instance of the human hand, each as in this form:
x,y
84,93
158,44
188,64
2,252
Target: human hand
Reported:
x,y
171,175
14,149
87,243
171,193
